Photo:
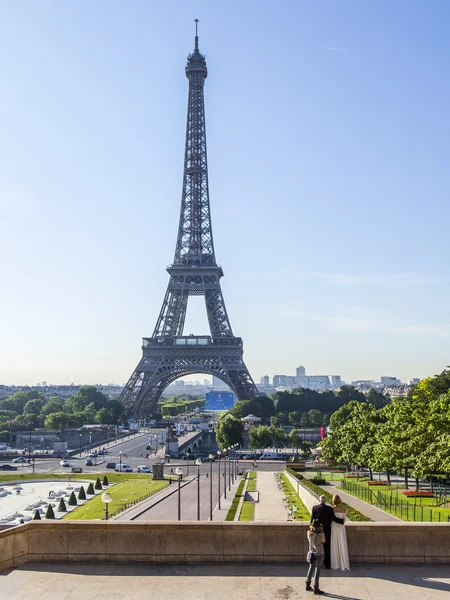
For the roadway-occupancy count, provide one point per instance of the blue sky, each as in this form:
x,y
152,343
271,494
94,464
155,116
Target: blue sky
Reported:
x,y
328,147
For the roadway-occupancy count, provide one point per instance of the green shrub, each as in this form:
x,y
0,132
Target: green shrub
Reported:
x,y
90,489
50,514
72,500
98,484
82,494
62,506
295,474
37,516
105,480
318,480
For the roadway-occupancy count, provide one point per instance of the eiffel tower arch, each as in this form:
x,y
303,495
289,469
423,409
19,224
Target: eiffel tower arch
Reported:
x,y
169,354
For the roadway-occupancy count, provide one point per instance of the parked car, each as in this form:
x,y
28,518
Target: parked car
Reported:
x,y
88,462
20,459
64,463
92,454
111,465
7,468
101,452
143,469
269,456
207,459
124,468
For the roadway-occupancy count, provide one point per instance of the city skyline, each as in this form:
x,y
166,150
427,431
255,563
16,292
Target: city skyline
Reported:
x,y
331,208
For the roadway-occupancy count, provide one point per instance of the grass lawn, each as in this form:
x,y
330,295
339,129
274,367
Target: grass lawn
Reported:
x,y
393,501
247,511
126,492
328,475
302,513
251,486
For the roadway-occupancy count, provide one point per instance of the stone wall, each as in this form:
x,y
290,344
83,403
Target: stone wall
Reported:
x,y
169,542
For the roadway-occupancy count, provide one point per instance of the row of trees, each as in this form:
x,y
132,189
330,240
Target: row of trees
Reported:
x,y
177,405
29,410
230,430
409,434
303,407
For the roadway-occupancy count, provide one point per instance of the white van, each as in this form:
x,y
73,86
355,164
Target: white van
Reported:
x,y
123,468
269,456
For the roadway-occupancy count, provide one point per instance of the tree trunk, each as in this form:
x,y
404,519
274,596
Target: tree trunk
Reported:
x,y
406,478
417,484
431,484
388,477
370,474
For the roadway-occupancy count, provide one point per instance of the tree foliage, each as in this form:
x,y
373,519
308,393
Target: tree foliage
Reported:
x,y
229,431
408,433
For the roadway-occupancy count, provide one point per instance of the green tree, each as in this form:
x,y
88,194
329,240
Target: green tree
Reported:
x,y
229,431
85,396
105,416
59,420
33,407
278,436
260,437
53,405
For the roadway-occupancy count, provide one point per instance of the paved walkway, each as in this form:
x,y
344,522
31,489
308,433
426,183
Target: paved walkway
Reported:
x,y
270,506
374,513
75,581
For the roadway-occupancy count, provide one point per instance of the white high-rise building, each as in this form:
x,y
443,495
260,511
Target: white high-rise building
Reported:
x,y
300,371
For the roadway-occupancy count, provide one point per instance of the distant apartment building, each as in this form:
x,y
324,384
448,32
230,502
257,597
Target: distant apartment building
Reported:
x,y
389,380
265,381
414,381
336,381
318,383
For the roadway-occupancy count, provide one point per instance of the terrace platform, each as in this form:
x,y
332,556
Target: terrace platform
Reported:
x,y
85,581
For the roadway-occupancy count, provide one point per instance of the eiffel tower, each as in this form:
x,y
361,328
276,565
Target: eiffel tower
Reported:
x,y
168,354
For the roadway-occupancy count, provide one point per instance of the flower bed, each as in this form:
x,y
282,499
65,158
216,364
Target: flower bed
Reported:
x,y
420,494
374,483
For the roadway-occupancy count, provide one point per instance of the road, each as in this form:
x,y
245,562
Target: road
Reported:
x,y
167,509
133,453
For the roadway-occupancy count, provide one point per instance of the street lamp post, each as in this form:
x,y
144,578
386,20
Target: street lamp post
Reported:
x,y
187,461
81,437
229,468
106,498
218,478
225,474
211,457
179,472
198,462
236,462
120,458
232,464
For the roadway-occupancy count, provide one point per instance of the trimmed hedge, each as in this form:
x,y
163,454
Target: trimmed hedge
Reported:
x,y
234,505
352,513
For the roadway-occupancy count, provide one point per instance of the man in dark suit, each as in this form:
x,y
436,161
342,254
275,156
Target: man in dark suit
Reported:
x,y
325,514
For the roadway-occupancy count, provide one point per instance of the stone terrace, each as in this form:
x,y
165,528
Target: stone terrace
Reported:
x,y
86,581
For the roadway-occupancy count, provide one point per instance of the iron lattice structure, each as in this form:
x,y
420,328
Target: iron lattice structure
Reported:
x,y
168,355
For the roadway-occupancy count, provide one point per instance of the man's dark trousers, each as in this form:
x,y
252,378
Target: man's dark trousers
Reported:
x,y
325,514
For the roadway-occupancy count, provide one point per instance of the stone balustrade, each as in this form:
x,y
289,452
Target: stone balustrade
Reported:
x,y
184,542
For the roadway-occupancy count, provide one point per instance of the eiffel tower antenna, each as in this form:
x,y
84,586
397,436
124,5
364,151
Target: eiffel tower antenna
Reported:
x,y
169,354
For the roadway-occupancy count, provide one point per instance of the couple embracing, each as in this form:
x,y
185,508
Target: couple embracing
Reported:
x,y
327,540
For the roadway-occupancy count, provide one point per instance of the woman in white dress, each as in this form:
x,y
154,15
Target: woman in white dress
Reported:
x,y
338,542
